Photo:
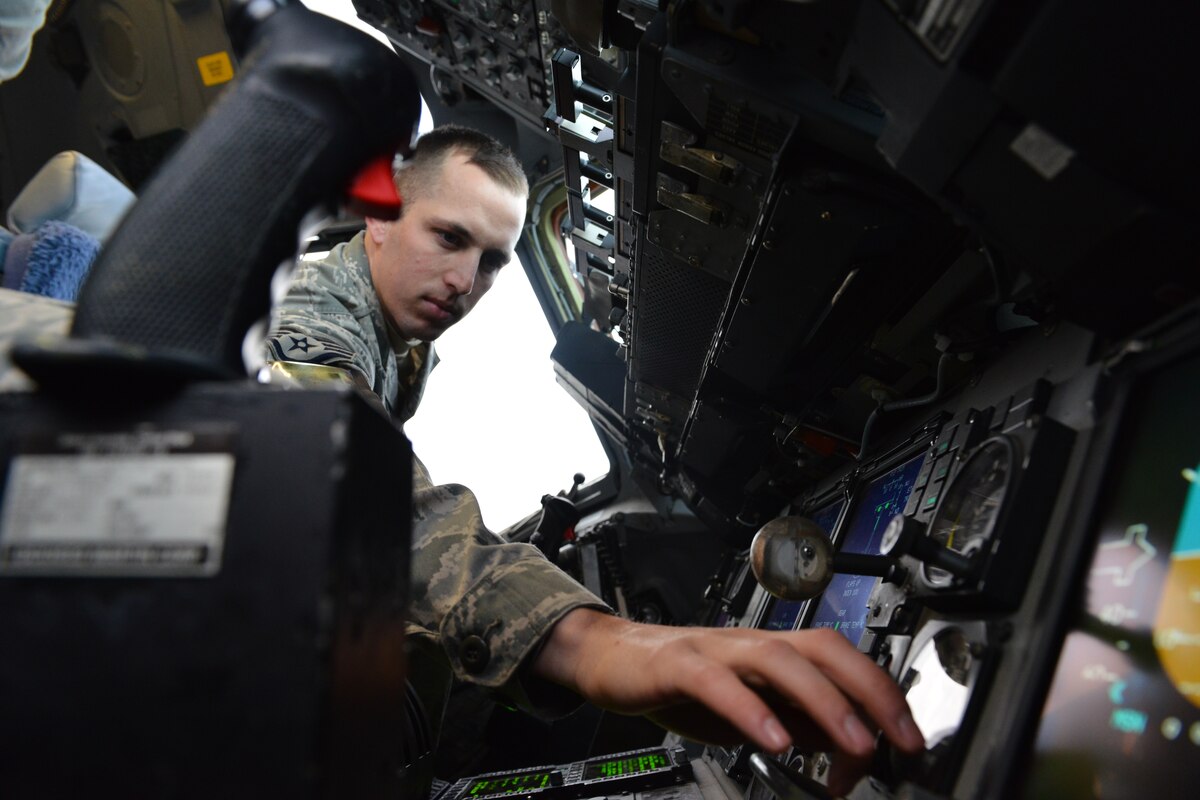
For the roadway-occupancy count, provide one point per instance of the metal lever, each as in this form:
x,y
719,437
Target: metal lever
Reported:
x,y
861,564
905,535
785,782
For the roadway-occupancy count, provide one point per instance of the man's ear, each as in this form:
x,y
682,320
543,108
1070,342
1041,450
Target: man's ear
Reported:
x,y
377,229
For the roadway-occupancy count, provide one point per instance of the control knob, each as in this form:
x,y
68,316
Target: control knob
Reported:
x,y
793,560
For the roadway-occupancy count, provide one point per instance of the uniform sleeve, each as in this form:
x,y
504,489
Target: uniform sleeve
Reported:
x,y
315,324
492,602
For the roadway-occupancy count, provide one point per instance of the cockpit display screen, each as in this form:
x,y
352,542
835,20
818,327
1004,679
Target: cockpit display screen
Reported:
x,y
843,605
783,614
626,766
1122,718
512,783
883,498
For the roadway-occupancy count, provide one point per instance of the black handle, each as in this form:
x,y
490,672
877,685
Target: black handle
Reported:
x,y
188,270
558,516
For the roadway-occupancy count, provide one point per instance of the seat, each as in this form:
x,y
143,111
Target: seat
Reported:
x,y
57,224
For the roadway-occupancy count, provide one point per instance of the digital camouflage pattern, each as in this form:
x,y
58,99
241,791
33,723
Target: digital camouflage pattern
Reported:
x,y
331,317
27,316
488,602
469,582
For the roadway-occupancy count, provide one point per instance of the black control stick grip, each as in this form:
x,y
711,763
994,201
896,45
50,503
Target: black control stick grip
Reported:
x,y
558,516
188,270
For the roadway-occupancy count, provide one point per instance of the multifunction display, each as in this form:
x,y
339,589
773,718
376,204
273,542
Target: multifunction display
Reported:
x,y
631,771
639,764
1122,719
514,783
843,606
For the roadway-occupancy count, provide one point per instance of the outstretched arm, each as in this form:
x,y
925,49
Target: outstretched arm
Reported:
x,y
810,688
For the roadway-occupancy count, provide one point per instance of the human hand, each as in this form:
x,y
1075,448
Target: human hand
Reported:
x,y
723,685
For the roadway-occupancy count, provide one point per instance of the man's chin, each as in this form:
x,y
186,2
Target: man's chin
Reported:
x,y
423,331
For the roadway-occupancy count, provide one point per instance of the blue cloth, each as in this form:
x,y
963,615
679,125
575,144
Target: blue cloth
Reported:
x,y
5,237
52,261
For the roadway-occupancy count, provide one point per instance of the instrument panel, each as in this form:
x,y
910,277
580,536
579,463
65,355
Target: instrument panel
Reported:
x,y
499,49
1096,527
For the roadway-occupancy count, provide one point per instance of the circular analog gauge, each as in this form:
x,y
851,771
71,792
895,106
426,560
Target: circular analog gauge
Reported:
x,y
966,518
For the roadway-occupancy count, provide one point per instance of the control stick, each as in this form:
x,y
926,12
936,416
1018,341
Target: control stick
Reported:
x,y
319,108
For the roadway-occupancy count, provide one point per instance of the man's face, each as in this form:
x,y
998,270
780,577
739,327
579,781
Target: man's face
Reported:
x,y
431,266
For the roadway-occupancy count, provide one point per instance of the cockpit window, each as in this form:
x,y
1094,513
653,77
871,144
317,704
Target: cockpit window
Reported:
x,y
493,417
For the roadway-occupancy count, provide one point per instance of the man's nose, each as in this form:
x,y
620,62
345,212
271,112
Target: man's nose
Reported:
x,y
461,275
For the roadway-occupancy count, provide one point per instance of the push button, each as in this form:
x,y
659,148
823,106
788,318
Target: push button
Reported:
x,y
942,470
475,654
923,476
944,442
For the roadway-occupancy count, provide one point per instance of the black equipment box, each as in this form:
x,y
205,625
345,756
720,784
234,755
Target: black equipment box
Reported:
x,y
203,595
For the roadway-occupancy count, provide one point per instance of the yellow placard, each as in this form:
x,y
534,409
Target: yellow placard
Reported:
x,y
215,68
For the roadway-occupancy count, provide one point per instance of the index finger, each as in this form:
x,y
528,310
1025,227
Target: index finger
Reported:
x,y
863,681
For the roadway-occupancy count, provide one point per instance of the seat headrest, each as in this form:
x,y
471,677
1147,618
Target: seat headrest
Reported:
x,y
74,189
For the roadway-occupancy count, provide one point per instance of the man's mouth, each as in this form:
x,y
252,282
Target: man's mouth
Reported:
x,y
440,310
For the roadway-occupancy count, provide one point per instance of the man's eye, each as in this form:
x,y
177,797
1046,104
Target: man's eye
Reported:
x,y
450,238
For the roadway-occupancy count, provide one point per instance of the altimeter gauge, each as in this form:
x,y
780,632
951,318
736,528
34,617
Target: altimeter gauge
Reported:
x,y
966,520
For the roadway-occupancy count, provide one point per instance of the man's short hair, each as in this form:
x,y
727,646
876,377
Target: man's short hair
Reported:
x,y
425,165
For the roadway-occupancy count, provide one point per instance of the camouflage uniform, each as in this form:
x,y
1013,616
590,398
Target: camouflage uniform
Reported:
x,y
331,317
489,602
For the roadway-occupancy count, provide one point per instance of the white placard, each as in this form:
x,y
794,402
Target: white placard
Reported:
x,y
115,513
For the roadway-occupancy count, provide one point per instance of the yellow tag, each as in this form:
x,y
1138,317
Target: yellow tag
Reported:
x,y
215,68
